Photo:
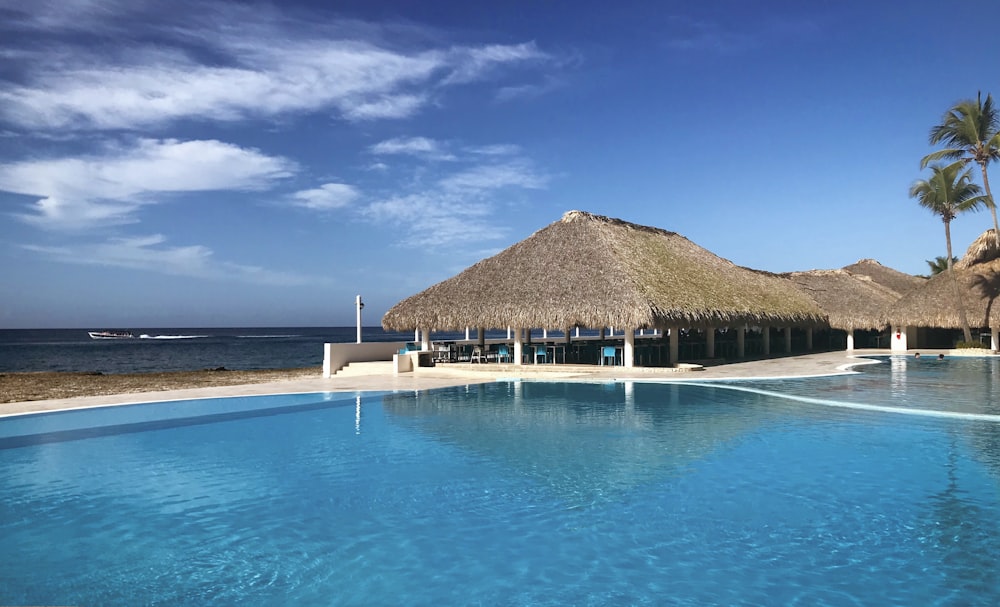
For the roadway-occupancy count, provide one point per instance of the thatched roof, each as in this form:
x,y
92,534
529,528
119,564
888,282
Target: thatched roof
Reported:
x,y
933,304
899,282
983,249
850,301
594,271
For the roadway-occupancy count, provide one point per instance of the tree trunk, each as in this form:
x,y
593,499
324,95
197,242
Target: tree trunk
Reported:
x,y
989,203
959,305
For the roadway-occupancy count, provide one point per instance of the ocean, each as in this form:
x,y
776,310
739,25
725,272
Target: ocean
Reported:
x,y
180,349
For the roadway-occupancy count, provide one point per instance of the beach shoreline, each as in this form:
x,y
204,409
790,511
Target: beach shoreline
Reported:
x,y
48,385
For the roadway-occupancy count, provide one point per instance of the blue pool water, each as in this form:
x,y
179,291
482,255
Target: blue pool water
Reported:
x,y
516,493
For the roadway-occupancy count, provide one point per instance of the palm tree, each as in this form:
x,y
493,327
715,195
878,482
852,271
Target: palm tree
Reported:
x,y
948,192
939,264
971,132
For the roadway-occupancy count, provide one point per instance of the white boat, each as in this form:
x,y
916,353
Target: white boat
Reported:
x,y
110,335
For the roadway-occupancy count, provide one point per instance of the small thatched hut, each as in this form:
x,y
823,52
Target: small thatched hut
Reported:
x,y
592,271
900,282
933,304
850,301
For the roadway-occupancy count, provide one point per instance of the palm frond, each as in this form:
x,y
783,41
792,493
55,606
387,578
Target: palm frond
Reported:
x,y
949,154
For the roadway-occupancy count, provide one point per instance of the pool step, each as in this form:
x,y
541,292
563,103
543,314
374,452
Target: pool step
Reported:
x,y
356,369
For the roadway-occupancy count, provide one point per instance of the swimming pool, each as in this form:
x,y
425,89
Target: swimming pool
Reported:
x,y
513,493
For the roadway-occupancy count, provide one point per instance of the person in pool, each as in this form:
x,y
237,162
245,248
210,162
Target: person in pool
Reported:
x,y
917,355
940,356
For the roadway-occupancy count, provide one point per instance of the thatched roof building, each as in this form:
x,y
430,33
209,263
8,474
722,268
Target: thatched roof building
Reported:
x,y
982,250
899,282
593,271
850,301
933,304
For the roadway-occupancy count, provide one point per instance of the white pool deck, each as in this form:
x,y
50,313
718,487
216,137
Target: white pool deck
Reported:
x,y
379,377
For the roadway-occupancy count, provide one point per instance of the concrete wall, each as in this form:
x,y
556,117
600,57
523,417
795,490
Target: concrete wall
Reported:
x,y
336,356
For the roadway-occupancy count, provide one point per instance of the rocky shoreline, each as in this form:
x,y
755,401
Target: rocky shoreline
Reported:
x,y
20,387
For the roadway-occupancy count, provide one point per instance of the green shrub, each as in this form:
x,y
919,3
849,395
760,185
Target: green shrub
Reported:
x,y
969,344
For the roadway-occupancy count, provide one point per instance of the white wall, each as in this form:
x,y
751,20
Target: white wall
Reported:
x,y
336,356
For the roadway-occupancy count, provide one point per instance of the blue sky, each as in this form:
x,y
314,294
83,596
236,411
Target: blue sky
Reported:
x,y
232,164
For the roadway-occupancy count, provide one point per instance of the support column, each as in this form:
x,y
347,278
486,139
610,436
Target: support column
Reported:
x,y
425,343
674,346
518,348
788,340
741,341
766,336
850,339
628,354
482,336
467,337
898,339
710,342
994,338
809,339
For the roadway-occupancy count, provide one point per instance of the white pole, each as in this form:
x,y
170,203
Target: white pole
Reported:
x,y
360,306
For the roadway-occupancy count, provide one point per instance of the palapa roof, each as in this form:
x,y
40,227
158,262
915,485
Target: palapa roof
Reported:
x,y
850,301
900,282
933,304
594,271
984,248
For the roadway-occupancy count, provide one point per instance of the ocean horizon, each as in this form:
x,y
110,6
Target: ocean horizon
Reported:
x,y
180,349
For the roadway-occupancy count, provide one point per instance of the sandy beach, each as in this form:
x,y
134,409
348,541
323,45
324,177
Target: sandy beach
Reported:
x,y
20,387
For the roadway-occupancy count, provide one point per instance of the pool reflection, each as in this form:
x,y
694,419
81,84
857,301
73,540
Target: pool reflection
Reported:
x,y
585,438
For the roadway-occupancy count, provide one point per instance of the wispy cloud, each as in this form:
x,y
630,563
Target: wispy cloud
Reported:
x,y
528,90
460,208
413,146
151,254
471,64
687,34
107,188
487,178
287,65
499,149
326,197
431,219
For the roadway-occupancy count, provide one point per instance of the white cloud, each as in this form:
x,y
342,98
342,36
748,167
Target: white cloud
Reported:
x,y
326,197
149,254
528,91
78,193
687,34
475,63
500,149
264,65
461,209
481,179
430,219
414,146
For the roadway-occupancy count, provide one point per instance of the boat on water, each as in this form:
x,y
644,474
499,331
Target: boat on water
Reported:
x,y
111,335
